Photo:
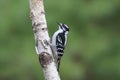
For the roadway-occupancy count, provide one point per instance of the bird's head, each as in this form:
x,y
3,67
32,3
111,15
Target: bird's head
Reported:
x,y
64,27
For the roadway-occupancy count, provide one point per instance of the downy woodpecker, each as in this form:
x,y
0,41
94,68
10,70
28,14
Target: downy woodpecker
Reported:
x,y
59,40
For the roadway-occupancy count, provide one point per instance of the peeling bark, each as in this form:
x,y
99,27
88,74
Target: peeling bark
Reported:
x,y
42,40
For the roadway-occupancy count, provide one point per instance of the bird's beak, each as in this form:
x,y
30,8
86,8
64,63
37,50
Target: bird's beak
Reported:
x,y
59,25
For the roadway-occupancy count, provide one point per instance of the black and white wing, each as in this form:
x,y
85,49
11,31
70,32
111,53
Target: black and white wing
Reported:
x,y
60,43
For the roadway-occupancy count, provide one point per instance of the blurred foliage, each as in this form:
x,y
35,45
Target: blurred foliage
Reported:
x,y
93,48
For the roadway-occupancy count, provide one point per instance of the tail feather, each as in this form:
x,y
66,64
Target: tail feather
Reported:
x,y
58,63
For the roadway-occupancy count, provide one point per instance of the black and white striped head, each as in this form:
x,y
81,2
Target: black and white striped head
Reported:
x,y
64,27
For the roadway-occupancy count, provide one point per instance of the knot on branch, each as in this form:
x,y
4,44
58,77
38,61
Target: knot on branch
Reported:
x,y
45,59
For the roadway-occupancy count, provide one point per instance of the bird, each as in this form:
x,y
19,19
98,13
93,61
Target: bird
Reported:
x,y
59,40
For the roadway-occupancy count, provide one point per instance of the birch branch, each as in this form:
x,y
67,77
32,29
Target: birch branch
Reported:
x,y
42,40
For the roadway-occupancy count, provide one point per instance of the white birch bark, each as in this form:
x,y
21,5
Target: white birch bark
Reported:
x,y
42,40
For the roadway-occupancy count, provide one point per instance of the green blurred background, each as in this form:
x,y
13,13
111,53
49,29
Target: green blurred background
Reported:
x,y
93,48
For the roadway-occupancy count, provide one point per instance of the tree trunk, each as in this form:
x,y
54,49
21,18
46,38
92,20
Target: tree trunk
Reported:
x,y
42,40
